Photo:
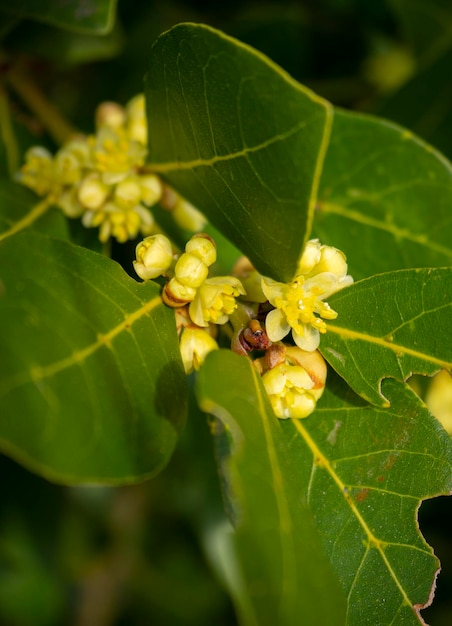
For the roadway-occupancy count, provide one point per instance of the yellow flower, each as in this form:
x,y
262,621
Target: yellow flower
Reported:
x,y
37,173
295,385
299,305
215,300
195,345
154,256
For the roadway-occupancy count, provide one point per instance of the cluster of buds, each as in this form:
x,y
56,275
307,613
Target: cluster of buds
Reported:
x,y
101,178
261,311
200,302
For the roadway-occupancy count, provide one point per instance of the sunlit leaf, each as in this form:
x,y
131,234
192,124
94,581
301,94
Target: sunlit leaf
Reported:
x,y
240,139
393,324
384,198
359,471
96,16
92,386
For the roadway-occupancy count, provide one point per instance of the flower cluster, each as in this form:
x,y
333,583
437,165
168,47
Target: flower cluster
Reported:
x,y
101,178
260,310
200,302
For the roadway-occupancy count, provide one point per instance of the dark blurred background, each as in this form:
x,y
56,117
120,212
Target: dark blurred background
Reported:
x,y
137,555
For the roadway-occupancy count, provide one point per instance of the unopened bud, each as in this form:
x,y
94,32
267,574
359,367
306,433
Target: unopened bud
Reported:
x,y
154,256
151,189
92,193
127,193
110,114
175,294
190,270
203,247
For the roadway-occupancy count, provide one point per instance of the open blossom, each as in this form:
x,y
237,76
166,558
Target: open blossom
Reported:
x,y
215,300
195,345
300,306
295,385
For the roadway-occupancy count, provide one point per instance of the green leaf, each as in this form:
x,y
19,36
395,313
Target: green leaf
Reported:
x,y
384,197
20,209
391,325
92,385
95,16
284,568
358,470
240,139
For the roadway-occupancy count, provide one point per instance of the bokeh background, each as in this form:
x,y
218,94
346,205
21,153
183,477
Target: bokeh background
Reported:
x,y
140,555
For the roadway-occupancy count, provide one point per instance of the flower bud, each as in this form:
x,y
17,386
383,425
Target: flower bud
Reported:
x,y
127,193
310,257
190,270
110,114
187,216
92,193
195,345
203,247
151,189
154,256
175,294
136,119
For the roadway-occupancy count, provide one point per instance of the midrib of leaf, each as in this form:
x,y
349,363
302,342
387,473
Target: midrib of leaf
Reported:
x,y
387,344
218,158
39,373
320,460
36,212
398,233
289,577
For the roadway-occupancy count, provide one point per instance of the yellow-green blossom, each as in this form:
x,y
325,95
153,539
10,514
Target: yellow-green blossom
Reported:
x,y
195,345
38,173
300,306
154,255
215,300
295,385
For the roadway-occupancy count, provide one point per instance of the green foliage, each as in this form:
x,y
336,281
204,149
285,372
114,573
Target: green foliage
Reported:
x,y
324,509
86,325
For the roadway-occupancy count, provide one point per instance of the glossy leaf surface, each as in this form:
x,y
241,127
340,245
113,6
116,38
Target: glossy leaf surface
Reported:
x,y
384,197
284,568
393,324
92,386
95,16
360,472
240,139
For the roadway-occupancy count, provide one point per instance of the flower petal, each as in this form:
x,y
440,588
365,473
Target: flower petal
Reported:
x,y
310,339
272,289
276,325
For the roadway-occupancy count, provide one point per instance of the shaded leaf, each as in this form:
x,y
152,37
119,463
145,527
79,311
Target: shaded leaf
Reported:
x,y
391,325
92,386
284,570
424,103
20,209
240,139
96,16
384,197
358,470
